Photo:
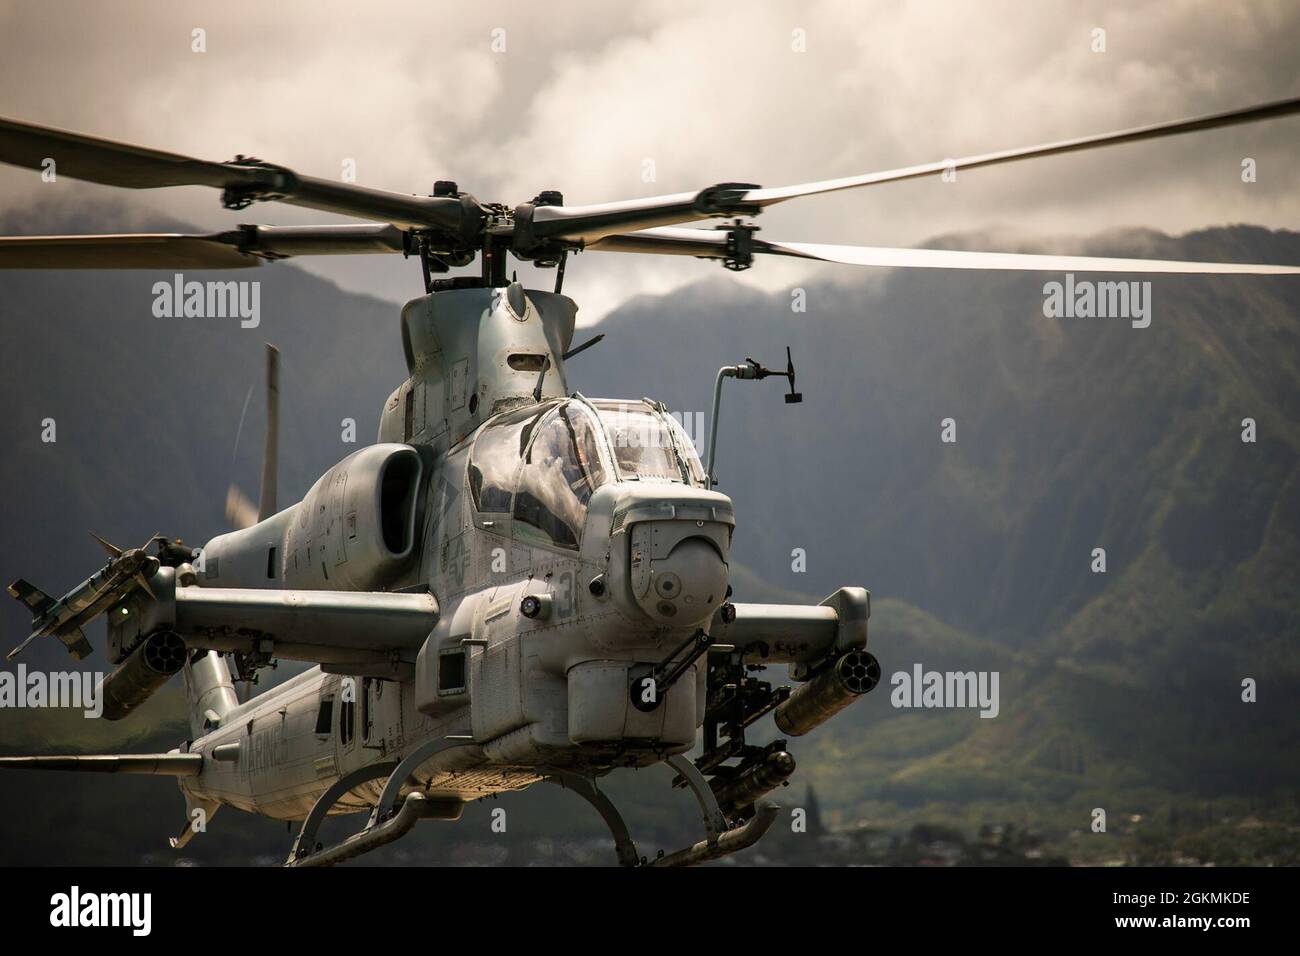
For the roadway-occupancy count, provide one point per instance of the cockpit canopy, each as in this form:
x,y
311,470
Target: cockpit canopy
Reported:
x,y
649,444
540,464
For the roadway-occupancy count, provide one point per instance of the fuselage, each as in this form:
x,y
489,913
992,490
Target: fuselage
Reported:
x,y
598,510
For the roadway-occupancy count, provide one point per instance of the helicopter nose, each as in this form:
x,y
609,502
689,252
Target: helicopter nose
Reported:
x,y
686,587
669,546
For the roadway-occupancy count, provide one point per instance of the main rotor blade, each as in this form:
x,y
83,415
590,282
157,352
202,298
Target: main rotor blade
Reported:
x,y
961,259
1252,114
591,223
135,251
711,244
236,249
106,161
1268,111
96,160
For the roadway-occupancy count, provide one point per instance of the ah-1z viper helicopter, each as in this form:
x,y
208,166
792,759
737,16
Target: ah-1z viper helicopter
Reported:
x,y
516,583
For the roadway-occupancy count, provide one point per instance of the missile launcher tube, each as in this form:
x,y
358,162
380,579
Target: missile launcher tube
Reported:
x,y
157,658
833,689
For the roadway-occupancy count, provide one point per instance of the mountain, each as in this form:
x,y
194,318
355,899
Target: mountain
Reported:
x,y
1119,689
1071,433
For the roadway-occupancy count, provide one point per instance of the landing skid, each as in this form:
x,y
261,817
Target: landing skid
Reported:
x,y
388,821
720,839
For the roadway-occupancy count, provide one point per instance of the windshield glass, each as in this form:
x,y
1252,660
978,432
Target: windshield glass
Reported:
x,y
686,447
496,455
562,469
642,440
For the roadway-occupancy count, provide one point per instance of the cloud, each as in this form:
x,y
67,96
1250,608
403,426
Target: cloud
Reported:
x,y
585,96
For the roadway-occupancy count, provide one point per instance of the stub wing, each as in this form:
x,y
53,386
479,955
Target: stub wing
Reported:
x,y
355,632
799,634
360,632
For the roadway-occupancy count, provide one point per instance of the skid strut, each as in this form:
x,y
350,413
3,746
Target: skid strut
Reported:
x,y
587,789
306,842
715,824
411,763
721,838
387,821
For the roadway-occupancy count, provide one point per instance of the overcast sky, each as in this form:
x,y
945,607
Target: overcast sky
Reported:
x,y
585,93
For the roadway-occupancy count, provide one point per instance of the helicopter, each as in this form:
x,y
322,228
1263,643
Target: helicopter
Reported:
x,y
516,584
